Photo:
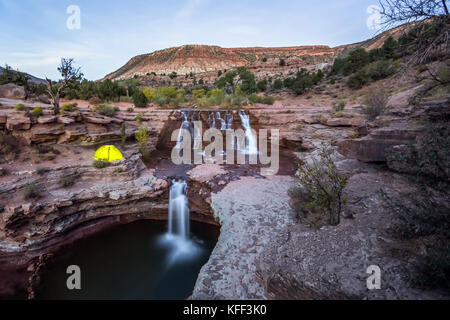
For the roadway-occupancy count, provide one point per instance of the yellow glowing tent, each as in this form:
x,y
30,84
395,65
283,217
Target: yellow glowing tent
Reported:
x,y
108,153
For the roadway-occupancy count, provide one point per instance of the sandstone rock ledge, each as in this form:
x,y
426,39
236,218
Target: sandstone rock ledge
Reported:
x,y
252,212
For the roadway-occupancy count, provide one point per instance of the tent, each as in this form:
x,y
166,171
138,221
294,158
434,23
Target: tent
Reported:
x,y
108,153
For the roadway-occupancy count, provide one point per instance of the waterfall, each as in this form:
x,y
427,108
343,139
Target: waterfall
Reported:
x,y
229,120
178,210
252,147
223,124
211,121
185,125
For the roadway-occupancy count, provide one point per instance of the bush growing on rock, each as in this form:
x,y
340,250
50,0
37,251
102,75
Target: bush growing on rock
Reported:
x,y
142,138
9,147
338,106
31,192
65,182
319,196
375,103
20,107
95,101
106,109
100,164
68,107
37,111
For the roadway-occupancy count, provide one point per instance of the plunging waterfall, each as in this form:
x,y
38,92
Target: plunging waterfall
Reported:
x,y
178,210
252,147
186,124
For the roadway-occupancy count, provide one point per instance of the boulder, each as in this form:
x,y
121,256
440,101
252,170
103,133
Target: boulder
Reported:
x,y
18,122
12,91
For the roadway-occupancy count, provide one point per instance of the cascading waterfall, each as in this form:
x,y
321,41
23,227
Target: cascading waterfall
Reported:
x,y
178,210
185,125
229,120
252,147
223,124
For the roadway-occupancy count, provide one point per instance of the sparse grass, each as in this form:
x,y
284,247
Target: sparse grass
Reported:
x,y
106,109
20,107
100,164
31,192
66,182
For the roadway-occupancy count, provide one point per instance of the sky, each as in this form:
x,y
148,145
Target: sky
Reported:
x,y
35,34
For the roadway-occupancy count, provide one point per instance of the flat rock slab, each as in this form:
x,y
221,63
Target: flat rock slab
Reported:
x,y
252,212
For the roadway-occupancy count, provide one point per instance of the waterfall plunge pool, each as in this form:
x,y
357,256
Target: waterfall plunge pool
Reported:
x,y
134,261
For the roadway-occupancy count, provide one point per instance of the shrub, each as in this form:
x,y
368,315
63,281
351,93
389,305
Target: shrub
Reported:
x,y
37,111
358,79
3,172
338,107
9,147
268,100
100,164
262,85
278,84
20,107
31,192
375,103
380,70
106,109
142,137
66,182
95,101
139,99
68,107
282,62
319,195
41,171
130,110
139,117
43,148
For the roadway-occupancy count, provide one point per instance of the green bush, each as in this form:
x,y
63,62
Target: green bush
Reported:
x,y
358,79
262,85
319,196
106,109
95,101
66,182
3,172
375,103
20,107
339,107
37,111
380,70
100,164
139,99
68,107
130,110
278,84
31,192
282,62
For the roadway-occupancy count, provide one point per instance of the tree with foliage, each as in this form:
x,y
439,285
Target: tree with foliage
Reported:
x,y
319,196
247,79
228,80
139,99
70,75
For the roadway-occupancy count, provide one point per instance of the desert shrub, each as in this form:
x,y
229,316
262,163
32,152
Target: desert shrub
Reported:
x,y
3,172
9,147
37,111
142,137
66,182
41,171
215,97
429,157
282,63
106,109
43,148
278,84
198,93
319,195
68,107
130,110
380,70
375,103
262,85
338,106
139,117
123,135
268,100
126,99
20,107
95,101
100,164
31,192
139,99
358,79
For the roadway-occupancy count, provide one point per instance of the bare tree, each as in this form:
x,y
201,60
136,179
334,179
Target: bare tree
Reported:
x,y
404,11
421,13
69,74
